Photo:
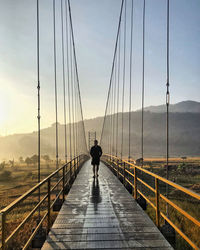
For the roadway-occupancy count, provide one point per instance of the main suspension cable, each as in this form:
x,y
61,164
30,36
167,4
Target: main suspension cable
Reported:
x,y
115,51
77,77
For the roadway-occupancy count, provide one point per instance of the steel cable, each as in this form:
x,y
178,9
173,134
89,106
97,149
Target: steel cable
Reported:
x,y
55,79
118,84
38,94
77,77
123,82
167,106
130,84
64,85
143,82
112,69
68,82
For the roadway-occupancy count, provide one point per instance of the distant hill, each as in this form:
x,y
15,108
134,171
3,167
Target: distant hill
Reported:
x,y
184,134
181,107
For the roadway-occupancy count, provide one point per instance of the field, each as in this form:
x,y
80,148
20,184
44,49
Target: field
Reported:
x,y
17,179
20,179
185,172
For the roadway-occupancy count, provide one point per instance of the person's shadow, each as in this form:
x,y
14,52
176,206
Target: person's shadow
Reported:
x,y
96,196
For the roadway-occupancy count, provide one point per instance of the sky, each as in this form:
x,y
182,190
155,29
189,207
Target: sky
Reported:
x,y
95,26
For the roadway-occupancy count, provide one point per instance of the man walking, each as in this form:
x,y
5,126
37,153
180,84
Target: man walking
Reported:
x,y
96,153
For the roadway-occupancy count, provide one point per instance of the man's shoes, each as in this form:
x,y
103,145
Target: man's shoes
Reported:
x,y
93,176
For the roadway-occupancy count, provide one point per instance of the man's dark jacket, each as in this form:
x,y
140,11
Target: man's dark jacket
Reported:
x,y
96,153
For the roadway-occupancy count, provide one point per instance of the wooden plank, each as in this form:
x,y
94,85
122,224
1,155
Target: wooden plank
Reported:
x,y
101,214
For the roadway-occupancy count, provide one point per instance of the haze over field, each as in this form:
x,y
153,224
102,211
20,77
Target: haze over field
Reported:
x,y
184,134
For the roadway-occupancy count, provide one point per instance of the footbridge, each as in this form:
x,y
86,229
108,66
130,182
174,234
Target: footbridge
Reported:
x,y
99,213
128,206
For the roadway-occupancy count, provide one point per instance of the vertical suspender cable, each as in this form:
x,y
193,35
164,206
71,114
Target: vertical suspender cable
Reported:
x,y
64,87
38,88
143,58
111,118
123,82
109,124
76,118
114,102
55,75
110,129
75,113
68,83
167,104
115,105
115,51
77,78
130,86
118,81
72,93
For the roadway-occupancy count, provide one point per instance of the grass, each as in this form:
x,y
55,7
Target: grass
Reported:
x,y
22,178
189,228
21,238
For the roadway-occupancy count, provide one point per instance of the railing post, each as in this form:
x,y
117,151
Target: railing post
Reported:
x,y
63,184
72,167
124,173
157,195
118,168
3,231
76,166
77,169
70,170
49,206
135,183
78,163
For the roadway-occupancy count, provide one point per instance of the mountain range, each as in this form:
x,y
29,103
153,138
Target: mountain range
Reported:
x,y
181,107
184,134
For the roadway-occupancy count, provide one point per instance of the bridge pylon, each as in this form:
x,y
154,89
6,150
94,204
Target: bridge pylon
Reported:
x,y
92,135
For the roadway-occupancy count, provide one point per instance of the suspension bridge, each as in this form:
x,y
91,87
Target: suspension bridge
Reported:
x,y
107,212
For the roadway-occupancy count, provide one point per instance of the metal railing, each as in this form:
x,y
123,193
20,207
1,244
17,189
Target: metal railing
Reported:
x,y
121,166
67,172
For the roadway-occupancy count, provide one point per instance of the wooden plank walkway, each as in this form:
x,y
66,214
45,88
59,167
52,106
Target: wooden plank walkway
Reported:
x,y
101,214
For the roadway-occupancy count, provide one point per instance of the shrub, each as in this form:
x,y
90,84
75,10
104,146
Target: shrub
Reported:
x,y
2,165
5,175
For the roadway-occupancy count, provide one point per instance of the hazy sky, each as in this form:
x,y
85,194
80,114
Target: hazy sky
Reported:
x,y
95,25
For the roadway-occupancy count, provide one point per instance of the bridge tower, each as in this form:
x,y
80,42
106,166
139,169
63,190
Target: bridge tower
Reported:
x,y
91,138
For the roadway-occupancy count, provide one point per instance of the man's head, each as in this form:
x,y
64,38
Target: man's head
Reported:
x,y
95,142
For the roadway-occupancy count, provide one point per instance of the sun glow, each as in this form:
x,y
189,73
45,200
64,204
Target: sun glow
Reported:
x,y
3,111
5,102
